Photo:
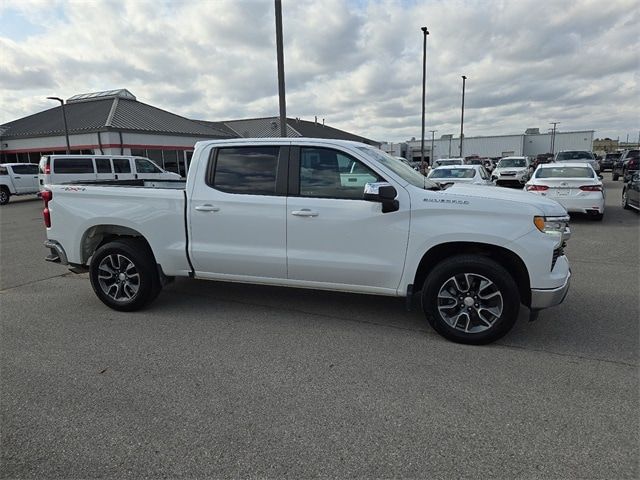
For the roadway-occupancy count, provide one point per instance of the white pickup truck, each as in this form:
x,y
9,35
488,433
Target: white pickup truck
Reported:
x,y
18,179
291,212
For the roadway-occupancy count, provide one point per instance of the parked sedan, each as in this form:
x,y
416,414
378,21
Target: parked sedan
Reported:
x,y
631,193
475,174
576,186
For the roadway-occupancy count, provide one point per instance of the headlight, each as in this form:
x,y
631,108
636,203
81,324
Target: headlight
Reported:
x,y
557,226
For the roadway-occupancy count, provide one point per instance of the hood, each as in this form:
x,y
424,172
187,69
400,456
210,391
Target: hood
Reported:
x,y
548,207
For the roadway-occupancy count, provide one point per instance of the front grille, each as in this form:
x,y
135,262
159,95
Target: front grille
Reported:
x,y
558,252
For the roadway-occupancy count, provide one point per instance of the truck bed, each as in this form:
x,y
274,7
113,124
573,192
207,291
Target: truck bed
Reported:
x,y
152,209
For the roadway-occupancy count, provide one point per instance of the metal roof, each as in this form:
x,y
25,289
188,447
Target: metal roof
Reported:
x,y
85,97
259,127
270,126
105,114
318,130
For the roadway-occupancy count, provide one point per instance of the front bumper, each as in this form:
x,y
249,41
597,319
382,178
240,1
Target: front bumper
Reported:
x,y
545,298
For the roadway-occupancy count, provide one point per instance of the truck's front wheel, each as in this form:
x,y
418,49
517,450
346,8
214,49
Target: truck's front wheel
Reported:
x,y
124,275
470,299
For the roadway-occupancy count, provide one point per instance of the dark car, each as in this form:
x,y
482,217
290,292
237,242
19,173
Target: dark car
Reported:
x,y
626,165
542,158
608,160
631,192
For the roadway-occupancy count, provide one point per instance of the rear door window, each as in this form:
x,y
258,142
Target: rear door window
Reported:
x,y
121,165
72,165
246,170
25,169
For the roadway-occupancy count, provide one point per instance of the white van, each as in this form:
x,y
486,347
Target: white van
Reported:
x,y
56,169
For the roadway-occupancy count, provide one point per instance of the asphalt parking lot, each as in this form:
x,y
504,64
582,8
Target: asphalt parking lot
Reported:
x,y
225,380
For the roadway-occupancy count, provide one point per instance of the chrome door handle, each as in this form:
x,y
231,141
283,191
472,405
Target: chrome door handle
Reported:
x,y
305,212
207,208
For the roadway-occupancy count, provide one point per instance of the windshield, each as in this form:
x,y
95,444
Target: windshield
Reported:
x,y
452,173
612,155
475,161
512,162
406,172
565,172
574,156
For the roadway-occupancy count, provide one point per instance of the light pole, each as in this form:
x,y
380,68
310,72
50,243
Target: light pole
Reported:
x,y
433,132
553,137
464,80
64,119
425,32
280,55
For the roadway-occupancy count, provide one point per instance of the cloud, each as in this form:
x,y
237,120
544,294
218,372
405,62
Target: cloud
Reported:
x,y
356,64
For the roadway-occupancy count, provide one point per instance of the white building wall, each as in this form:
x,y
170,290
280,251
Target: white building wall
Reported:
x,y
498,146
574,141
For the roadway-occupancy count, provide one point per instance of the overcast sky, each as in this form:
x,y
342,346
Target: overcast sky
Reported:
x,y
356,63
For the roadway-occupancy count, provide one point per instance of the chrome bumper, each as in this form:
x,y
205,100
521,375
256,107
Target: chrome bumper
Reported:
x,y
57,255
545,298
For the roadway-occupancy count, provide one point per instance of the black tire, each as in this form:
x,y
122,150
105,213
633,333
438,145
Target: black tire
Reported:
x,y
597,217
107,273
475,266
625,200
4,195
614,176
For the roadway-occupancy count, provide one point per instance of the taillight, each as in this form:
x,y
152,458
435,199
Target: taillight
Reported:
x,y
537,188
47,196
47,168
591,188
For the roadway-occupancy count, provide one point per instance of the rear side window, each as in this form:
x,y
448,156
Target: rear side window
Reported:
x,y
72,165
25,169
247,170
121,165
145,166
103,165
3,170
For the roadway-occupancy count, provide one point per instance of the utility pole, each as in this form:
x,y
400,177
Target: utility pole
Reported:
x,y
464,80
425,32
280,54
433,132
553,137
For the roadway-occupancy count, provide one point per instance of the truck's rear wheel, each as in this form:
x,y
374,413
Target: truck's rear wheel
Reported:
x,y
470,299
4,196
124,275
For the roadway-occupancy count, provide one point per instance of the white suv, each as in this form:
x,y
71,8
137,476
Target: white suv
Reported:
x,y
512,171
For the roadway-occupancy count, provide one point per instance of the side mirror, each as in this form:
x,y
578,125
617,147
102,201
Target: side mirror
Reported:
x,y
384,193
600,177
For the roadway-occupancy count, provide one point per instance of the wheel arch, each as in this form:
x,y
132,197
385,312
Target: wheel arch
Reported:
x,y
97,235
505,257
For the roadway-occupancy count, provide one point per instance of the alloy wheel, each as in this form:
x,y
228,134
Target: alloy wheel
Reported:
x,y
470,302
118,277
